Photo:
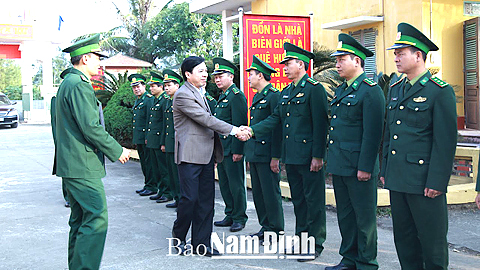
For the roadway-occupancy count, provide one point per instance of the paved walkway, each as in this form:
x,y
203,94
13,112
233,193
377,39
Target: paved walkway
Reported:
x,y
34,229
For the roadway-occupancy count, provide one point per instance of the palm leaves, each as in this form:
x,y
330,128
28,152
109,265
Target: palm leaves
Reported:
x,y
109,84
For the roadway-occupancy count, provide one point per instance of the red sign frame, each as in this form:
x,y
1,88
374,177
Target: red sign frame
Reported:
x,y
264,35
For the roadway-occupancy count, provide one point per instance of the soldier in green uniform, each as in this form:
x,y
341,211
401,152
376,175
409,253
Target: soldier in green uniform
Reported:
x,y
171,82
356,127
155,126
263,153
302,112
231,108
418,151
81,144
140,109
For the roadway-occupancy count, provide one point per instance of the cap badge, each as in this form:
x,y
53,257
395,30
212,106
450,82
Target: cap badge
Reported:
x,y
399,35
166,76
134,80
339,44
217,66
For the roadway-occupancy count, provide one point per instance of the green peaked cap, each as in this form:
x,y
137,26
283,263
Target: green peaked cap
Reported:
x,y
88,45
136,79
171,76
295,52
222,65
261,66
155,78
348,45
408,35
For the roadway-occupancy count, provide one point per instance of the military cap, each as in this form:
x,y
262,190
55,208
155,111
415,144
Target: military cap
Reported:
x,y
408,35
261,66
155,78
136,79
88,45
223,65
171,76
295,52
348,45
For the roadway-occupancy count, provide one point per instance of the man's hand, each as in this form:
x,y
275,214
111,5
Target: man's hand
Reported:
x,y
477,200
125,155
162,148
316,165
363,176
244,133
275,165
237,157
431,193
383,180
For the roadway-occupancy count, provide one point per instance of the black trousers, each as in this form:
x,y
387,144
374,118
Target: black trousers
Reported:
x,y
195,208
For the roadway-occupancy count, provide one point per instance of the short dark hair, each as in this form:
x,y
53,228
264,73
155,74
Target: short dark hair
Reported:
x,y
415,49
189,64
76,59
265,76
362,62
158,83
305,64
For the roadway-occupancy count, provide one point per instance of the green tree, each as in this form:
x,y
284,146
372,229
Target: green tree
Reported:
x,y
118,115
10,75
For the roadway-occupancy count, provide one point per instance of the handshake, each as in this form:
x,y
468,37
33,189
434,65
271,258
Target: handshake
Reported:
x,y
244,133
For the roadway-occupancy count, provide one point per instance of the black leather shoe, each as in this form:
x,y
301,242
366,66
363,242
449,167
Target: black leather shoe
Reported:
x,y
146,192
67,204
226,222
309,259
259,234
172,205
236,227
340,266
209,252
140,190
163,199
155,197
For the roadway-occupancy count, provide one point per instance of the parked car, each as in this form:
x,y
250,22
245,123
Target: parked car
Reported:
x,y
8,114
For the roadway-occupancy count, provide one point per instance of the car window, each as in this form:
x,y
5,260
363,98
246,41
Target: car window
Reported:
x,y
4,100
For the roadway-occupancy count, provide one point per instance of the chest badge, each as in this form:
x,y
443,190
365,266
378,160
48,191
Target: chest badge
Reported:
x,y
351,96
300,95
420,99
263,101
225,100
394,98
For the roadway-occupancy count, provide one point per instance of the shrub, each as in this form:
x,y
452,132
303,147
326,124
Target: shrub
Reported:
x,y
118,115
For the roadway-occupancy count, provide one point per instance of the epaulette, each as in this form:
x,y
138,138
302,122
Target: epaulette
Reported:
x,y
312,81
438,82
235,91
397,82
149,95
369,82
85,79
209,97
273,89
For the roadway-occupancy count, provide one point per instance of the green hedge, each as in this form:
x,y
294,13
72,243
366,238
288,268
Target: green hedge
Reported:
x,y
118,115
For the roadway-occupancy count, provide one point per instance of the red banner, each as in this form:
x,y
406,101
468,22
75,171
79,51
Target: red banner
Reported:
x,y
264,35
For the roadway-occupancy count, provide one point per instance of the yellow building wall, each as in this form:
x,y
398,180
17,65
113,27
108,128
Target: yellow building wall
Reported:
x,y
447,32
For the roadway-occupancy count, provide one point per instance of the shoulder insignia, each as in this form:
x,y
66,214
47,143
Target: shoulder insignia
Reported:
x,y
149,95
235,90
397,82
209,97
85,79
273,89
369,82
312,81
438,82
